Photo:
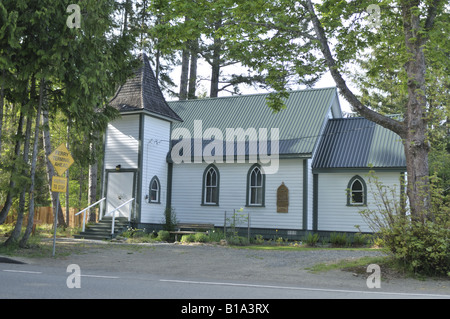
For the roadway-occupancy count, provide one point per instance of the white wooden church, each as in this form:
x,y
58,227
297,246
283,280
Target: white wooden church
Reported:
x,y
302,169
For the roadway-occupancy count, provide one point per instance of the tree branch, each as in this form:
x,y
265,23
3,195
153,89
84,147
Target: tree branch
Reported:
x,y
431,14
363,110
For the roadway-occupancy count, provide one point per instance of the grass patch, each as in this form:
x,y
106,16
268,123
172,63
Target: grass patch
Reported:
x,y
348,264
390,268
297,247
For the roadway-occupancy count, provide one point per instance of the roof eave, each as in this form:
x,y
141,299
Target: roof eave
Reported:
x,y
317,170
150,113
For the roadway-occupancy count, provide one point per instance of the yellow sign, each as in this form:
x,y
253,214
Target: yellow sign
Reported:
x,y
61,159
59,184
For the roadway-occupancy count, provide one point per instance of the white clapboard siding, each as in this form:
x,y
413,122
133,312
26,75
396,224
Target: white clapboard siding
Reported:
x,y
333,212
187,195
155,147
122,142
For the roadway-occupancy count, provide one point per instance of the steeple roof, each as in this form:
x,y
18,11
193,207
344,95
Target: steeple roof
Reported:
x,y
142,92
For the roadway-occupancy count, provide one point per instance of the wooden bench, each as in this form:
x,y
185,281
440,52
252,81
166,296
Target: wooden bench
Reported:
x,y
185,228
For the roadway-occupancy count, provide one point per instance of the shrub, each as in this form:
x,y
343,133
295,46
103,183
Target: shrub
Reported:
x,y
163,235
189,238
420,244
201,238
237,240
421,247
216,235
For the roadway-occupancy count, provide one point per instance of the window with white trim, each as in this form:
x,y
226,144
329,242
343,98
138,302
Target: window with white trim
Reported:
x,y
211,186
255,183
357,192
155,190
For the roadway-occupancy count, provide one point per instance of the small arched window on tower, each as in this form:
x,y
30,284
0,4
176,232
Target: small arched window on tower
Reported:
x,y
357,192
155,190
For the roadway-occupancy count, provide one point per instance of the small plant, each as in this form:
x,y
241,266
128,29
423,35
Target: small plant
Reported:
x,y
361,239
189,238
216,235
131,232
201,238
163,235
170,219
311,239
279,240
338,239
237,240
258,239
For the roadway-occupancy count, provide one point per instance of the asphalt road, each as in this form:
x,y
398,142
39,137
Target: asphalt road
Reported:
x,y
43,282
197,273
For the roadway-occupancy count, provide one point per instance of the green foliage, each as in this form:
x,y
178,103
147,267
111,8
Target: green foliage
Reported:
x,y
189,238
339,239
421,245
163,235
170,219
237,240
216,235
258,239
311,239
201,237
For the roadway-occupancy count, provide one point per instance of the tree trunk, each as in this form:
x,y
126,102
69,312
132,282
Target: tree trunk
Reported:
x,y
193,70
14,236
92,187
413,130
416,144
2,101
9,198
80,192
67,176
50,169
29,228
184,74
92,191
215,66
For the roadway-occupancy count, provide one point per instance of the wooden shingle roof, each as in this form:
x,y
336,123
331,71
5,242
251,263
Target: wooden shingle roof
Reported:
x,y
141,92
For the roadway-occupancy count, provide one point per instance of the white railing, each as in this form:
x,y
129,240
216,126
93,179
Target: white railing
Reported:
x,y
85,210
113,212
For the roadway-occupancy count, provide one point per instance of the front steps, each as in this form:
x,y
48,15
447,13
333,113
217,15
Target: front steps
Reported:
x,y
102,229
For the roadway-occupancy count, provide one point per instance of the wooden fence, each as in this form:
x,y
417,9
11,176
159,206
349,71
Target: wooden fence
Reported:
x,y
44,215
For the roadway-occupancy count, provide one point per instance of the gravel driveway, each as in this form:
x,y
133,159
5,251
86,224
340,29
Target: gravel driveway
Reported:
x,y
222,263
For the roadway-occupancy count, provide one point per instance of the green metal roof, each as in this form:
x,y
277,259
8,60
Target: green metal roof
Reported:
x,y
360,144
299,123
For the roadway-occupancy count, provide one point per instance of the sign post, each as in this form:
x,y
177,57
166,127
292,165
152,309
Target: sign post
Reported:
x,y
61,160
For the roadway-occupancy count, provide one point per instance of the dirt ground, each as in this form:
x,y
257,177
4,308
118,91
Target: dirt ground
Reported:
x,y
214,262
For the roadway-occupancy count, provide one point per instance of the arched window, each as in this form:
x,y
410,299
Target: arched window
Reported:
x,y
357,192
155,190
210,194
255,186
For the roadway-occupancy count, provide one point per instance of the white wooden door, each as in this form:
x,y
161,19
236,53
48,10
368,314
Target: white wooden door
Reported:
x,y
120,188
